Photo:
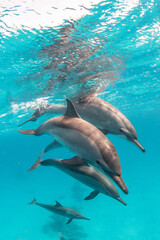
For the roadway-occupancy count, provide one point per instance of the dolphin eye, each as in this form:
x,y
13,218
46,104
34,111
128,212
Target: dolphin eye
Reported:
x,y
98,162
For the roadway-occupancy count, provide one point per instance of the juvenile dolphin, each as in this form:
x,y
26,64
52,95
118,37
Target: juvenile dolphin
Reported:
x,y
84,173
99,113
82,138
61,210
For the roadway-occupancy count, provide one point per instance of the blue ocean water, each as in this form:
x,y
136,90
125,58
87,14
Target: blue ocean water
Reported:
x,y
112,49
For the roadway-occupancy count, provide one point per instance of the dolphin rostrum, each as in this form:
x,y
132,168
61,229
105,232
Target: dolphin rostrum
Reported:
x,y
99,113
84,173
61,210
82,138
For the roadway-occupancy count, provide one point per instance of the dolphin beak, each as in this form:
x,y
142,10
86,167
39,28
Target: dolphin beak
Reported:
x,y
121,200
138,144
30,119
119,181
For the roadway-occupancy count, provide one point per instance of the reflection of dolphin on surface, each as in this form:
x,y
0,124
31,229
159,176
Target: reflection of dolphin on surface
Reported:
x,y
82,138
61,210
84,173
99,113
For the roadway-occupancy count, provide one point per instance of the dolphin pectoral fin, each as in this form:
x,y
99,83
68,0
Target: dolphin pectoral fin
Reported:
x,y
36,164
28,132
92,195
58,204
138,144
71,111
52,145
69,221
75,161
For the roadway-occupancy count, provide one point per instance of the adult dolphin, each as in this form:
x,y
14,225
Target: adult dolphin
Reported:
x,y
99,113
82,138
61,210
84,173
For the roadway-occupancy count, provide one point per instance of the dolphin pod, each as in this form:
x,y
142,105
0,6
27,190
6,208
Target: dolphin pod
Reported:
x,y
96,155
61,210
99,113
82,138
85,140
84,173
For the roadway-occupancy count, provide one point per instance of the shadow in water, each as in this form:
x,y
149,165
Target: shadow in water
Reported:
x,y
68,231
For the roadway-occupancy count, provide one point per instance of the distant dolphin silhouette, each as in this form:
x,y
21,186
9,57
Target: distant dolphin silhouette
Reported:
x,y
84,173
61,210
60,236
82,138
99,113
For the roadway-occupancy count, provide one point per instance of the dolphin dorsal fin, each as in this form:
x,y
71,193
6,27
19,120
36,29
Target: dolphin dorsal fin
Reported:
x,y
58,204
71,111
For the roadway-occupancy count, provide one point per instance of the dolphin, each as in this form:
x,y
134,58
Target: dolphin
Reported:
x,y
61,210
98,112
60,236
82,138
84,173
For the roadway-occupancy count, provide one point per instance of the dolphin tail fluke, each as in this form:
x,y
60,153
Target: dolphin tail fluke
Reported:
x,y
36,164
33,202
121,200
28,132
138,144
28,120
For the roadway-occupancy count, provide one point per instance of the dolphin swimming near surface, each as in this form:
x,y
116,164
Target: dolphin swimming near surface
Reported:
x,y
82,138
99,113
61,210
84,173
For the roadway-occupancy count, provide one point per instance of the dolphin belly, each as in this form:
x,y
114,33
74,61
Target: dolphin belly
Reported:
x,y
63,212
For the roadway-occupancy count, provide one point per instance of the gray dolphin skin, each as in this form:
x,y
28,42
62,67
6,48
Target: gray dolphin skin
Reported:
x,y
61,210
84,173
99,113
82,138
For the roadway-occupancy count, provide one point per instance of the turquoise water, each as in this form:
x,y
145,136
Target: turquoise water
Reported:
x,y
114,50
